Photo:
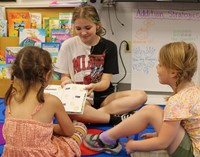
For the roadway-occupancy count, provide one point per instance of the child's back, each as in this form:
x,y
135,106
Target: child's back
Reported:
x,y
28,129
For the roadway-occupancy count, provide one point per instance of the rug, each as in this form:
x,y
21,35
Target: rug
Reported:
x,y
85,152
91,129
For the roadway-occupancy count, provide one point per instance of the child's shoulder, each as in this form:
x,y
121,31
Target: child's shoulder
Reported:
x,y
52,99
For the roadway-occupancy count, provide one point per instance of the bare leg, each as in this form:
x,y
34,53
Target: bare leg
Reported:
x,y
150,114
123,102
91,115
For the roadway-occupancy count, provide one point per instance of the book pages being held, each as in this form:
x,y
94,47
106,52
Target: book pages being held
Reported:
x,y
73,96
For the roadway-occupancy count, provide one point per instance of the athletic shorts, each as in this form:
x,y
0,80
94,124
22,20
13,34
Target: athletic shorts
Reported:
x,y
99,97
185,148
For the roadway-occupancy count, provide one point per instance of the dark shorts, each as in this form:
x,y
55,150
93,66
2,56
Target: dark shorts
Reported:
x,y
99,97
185,148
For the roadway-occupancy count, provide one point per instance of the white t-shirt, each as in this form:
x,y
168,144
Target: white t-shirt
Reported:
x,y
70,49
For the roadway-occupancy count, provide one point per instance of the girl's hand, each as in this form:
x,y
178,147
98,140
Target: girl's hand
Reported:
x,y
148,135
67,81
90,88
128,145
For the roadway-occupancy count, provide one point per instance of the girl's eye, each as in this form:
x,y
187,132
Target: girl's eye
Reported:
x,y
78,28
88,28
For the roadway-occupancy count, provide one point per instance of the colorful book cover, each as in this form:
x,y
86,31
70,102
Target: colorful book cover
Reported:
x,y
5,71
66,21
2,57
3,28
11,53
36,20
52,48
59,35
54,23
16,21
45,25
31,37
2,13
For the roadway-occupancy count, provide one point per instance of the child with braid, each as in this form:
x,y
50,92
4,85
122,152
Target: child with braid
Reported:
x,y
178,126
28,129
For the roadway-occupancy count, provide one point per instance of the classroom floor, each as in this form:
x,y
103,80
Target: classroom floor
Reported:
x,y
91,129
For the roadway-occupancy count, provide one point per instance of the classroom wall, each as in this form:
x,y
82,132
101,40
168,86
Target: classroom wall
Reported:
x,y
112,19
124,14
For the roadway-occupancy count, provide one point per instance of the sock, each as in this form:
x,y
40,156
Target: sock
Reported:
x,y
114,120
80,132
106,139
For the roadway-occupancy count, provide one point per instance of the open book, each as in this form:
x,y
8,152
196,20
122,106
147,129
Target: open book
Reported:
x,y
73,96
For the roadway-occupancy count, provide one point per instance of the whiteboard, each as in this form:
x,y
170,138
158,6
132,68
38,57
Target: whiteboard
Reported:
x,y
151,29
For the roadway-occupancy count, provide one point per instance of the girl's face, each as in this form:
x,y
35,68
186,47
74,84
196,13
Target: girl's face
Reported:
x,y
167,76
86,30
163,74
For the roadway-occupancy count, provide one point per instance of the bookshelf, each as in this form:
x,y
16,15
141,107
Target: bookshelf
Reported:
x,y
14,41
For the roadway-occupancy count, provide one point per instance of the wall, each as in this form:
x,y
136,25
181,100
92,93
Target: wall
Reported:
x,y
124,14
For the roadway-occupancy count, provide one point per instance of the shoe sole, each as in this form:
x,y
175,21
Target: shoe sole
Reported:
x,y
105,150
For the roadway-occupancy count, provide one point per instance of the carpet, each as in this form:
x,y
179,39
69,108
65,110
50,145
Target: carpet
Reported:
x,y
85,152
91,129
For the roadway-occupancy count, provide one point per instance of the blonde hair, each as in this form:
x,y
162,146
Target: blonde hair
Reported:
x,y
180,56
89,12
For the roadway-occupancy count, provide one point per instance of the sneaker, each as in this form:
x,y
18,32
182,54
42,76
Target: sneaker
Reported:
x,y
126,115
93,142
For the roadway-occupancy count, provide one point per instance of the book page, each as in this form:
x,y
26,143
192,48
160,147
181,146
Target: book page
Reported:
x,y
73,96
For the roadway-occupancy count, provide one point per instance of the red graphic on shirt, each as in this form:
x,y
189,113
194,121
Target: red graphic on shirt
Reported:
x,y
95,64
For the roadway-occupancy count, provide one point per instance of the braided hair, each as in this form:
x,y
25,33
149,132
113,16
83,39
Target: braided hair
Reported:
x,y
30,67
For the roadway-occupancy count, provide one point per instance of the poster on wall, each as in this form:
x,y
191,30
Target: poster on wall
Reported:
x,y
151,30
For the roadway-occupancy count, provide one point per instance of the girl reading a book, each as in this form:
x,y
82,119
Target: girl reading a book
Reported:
x,y
28,129
88,58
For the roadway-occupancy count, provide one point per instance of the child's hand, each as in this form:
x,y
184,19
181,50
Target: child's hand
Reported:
x,y
90,88
128,145
67,81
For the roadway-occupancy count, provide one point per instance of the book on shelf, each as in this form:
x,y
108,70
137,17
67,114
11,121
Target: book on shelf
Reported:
x,y
45,25
2,13
2,57
11,53
36,20
54,23
66,21
3,28
5,71
31,37
59,35
17,21
73,96
52,48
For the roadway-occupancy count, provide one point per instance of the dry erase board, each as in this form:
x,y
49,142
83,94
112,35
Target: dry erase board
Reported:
x,y
151,29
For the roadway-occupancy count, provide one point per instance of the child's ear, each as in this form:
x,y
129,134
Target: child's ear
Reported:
x,y
173,73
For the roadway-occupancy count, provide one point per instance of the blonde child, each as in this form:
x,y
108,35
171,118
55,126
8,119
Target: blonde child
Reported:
x,y
178,126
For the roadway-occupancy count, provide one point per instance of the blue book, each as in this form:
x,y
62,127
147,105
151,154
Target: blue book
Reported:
x,y
3,28
31,37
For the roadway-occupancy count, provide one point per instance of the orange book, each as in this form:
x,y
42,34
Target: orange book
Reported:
x,y
16,21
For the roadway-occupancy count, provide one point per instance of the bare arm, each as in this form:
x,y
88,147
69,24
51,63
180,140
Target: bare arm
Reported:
x,y
65,126
165,137
100,86
65,79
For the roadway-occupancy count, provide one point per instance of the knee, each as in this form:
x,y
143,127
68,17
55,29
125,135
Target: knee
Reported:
x,y
142,96
152,108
